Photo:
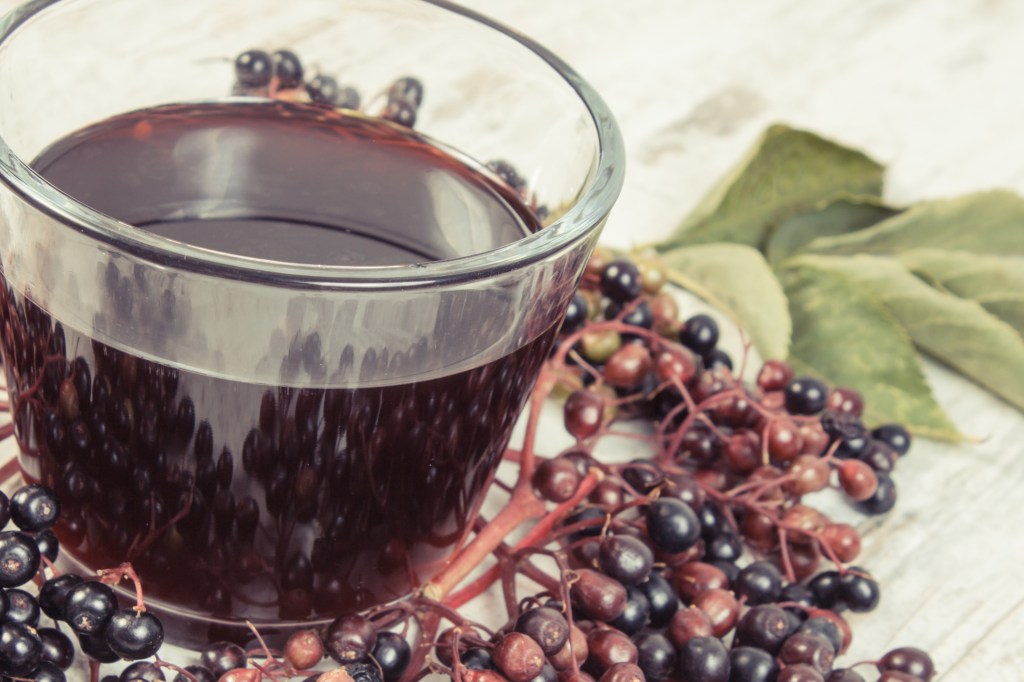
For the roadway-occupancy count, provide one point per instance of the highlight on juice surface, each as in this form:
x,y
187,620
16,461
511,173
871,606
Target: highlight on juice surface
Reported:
x,y
276,307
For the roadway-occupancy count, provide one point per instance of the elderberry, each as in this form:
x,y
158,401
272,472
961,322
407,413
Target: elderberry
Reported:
x,y
805,395
620,281
322,89
705,659
56,647
200,672
883,499
672,525
48,672
89,606
253,68
392,653
19,558
699,333
133,635
142,671
287,69
748,664
20,650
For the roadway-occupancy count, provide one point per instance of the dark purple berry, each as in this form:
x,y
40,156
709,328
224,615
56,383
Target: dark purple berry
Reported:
x,y
620,281
859,592
48,672
705,659
661,598
132,635
825,628
34,508
893,435
89,606
20,650
626,558
726,546
764,627
95,647
477,658
576,314
350,638
407,88
636,615
57,647
884,498
348,98
22,607
400,111
672,525
54,593
322,89
656,656
752,665
287,68
200,672
546,626
805,395
699,334
253,69
392,653
142,671
19,558
759,582
222,657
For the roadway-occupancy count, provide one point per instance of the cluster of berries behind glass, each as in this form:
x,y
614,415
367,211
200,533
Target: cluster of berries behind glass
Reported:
x,y
702,562
281,75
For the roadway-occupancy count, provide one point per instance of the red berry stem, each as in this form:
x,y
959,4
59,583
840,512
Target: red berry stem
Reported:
x,y
112,576
537,533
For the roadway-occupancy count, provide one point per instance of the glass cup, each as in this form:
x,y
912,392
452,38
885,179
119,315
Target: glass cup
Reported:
x,y
278,439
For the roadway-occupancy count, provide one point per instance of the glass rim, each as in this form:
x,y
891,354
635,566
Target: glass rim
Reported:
x,y
585,215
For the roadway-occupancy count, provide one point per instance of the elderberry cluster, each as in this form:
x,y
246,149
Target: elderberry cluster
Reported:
x,y
88,608
281,75
702,562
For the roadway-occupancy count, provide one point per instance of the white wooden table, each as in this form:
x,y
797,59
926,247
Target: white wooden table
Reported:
x,y
931,88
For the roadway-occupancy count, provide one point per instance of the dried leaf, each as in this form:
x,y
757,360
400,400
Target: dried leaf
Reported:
x,y
786,171
956,331
996,282
985,222
828,218
737,280
843,334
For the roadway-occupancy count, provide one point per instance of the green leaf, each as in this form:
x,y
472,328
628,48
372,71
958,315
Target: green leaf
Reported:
x,y
996,282
785,171
843,334
956,331
833,216
737,280
985,222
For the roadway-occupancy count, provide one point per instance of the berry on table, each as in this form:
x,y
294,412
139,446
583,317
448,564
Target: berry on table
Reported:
x,y
34,508
620,281
287,69
699,333
805,395
323,89
254,69
19,558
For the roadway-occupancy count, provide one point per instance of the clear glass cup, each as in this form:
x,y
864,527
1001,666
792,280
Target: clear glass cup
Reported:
x,y
268,439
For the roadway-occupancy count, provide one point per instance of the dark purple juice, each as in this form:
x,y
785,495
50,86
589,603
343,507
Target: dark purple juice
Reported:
x,y
240,500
